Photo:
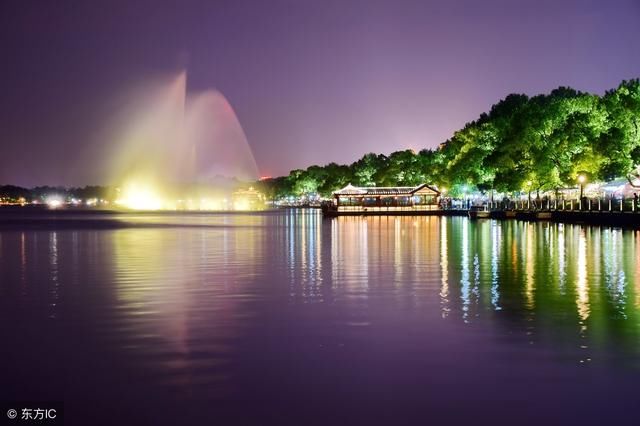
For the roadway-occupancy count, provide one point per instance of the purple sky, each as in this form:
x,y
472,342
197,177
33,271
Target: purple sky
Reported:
x,y
311,81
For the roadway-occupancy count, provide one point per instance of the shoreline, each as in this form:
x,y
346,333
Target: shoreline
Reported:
x,y
614,218
16,217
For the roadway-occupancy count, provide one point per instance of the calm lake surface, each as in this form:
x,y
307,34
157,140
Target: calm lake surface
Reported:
x,y
286,318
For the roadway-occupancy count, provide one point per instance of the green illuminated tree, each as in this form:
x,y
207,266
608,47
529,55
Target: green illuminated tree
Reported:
x,y
619,144
533,144
365,170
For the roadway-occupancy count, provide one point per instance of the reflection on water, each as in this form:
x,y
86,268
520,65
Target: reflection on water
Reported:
x,y
496,243
582,289
444,267
207,304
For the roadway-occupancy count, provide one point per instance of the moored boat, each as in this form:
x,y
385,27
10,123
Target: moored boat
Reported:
x,y
478,212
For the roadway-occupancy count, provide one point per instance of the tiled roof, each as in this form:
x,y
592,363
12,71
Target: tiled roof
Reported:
x,y
384,190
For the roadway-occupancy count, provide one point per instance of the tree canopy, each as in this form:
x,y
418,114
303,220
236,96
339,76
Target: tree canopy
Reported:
x,y
534,143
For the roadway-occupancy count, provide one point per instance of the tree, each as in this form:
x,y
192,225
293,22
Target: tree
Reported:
x,y
620,142
365,169
522,143
337,177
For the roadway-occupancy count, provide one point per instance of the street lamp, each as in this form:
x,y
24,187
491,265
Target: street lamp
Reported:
x,y
464,195
581,180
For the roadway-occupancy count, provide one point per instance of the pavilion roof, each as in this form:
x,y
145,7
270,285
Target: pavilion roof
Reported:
x,y
383,190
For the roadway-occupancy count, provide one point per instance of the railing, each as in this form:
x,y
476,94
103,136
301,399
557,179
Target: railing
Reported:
x,y
585,205
424,207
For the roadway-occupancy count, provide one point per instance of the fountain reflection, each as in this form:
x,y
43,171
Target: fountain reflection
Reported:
x,y
171,286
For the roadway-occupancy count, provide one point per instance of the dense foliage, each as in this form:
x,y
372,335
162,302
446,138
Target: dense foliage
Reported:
x,y
13,193
521,144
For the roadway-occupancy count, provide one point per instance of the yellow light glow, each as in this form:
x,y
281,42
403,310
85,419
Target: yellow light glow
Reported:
x,y
241,204
140,197
210,204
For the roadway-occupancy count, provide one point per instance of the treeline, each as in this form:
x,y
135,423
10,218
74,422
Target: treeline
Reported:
x,y
522,144
40,193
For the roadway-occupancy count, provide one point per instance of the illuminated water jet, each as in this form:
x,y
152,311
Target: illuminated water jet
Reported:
x,y
177,147
216,142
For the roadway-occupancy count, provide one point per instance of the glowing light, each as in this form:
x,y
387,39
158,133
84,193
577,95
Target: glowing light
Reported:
x,y
582,288
211,204
241,204
581,179
249,199
138,197
174,138
54,203
444,267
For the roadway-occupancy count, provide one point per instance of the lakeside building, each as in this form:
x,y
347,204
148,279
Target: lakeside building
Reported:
x,y
385,199
248,199
623,187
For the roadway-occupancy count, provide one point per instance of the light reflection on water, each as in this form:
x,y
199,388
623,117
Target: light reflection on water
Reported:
x,y
206,304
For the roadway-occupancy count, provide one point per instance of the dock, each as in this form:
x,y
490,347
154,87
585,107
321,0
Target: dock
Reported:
x,y
617,218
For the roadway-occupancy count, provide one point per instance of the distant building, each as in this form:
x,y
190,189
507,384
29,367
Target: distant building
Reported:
x,y
247,199
622,187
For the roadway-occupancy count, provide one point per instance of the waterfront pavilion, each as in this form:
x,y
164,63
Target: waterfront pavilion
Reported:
x,y
399,198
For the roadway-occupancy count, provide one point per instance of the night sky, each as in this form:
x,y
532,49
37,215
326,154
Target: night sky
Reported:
x,y
310,81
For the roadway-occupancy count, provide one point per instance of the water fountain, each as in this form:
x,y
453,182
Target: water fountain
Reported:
x,y
176,149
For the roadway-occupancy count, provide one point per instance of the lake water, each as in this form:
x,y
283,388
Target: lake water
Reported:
x,y
286,318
